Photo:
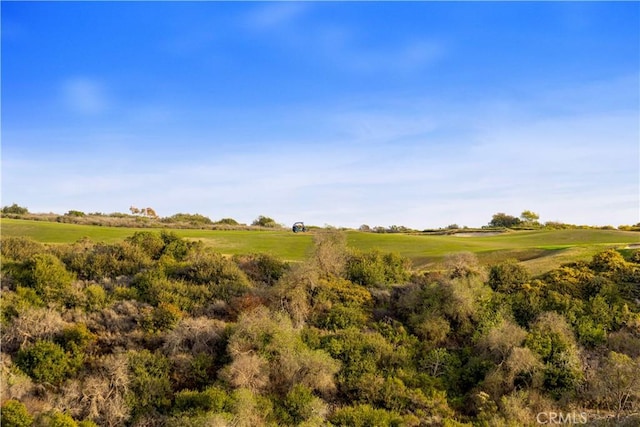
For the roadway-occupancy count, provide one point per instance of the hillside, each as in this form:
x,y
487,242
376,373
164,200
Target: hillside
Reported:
x,y
155,329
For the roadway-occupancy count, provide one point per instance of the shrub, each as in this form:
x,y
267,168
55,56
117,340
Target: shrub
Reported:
x,y
47,275
75,213
20,248
57,419
95,297
262,268
221,275
151,243
15,414
213,399
15,209
265,221
76,338
376,268
98,261
507,276
149,386
46,362
365,415
608,261
164,316
194,219
301,405
227,221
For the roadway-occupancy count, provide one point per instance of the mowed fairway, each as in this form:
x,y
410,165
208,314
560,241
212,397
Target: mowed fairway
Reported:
x,y
539,250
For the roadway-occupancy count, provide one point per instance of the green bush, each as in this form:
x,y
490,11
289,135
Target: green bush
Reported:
x,y
300,405
14,414
150,385
507,276
15,209
227,221
365,416
194,219
20,248
213,399
99,261
47,275
262,268
152,244
46,362
221,275
265,221
163,317
375,268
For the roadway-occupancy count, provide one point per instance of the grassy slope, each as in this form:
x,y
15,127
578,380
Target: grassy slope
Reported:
x,y
539,250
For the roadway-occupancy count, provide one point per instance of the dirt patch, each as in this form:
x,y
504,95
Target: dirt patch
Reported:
x,y
633,246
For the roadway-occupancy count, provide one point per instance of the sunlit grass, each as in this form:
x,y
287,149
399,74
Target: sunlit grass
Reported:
x,y
539,250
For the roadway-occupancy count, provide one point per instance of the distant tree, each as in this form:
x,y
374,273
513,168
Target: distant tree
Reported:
x,y
503,220
75,213
195,219
264,221
365,228
529,217
227,221
149,212
15,209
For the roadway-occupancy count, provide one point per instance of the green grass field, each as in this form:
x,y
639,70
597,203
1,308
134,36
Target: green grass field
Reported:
x,y
539,250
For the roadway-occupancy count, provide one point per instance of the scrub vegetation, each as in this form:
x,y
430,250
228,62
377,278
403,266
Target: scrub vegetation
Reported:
x,y
163,327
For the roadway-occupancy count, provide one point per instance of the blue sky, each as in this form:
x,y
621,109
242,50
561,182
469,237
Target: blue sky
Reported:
x,y
420,114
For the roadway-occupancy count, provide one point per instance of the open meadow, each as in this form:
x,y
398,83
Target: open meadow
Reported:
x,y
538,250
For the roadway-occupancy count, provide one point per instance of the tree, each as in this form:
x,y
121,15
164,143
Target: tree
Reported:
x,y
264,221
503,220
529,217
330,252
15,209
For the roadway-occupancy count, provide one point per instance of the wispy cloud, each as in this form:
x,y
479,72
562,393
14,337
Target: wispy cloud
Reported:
x,y
410,162
403,57
85,95
271,16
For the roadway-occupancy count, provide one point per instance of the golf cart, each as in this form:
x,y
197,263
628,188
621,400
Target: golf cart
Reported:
x,y
298,227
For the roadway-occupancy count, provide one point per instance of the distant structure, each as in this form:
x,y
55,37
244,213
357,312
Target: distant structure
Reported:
x,y
148,212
